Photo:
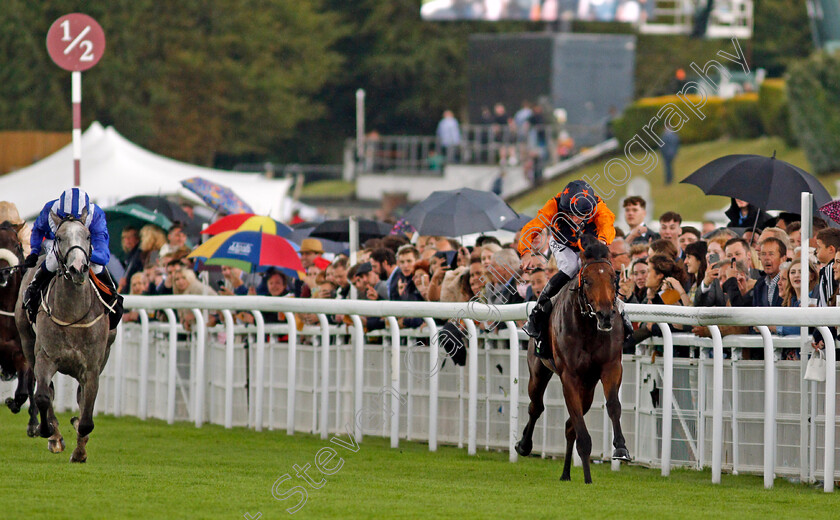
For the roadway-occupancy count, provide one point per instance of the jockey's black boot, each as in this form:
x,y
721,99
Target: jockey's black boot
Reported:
x,y
538,320
629,342
628,327
111,296
32,297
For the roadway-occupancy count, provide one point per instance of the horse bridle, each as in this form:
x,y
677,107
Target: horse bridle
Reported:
x,y
62,259
583,302
11,269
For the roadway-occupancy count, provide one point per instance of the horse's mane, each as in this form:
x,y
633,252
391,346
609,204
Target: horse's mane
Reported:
x,y
594,249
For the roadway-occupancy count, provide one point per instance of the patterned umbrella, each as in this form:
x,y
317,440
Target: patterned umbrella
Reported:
x,y
248,250
832,210
216,196
248,222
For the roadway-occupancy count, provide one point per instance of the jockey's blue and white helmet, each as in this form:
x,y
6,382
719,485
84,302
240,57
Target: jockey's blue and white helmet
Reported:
x,y
72,203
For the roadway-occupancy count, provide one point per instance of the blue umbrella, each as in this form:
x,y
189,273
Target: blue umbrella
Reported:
x,y
216,196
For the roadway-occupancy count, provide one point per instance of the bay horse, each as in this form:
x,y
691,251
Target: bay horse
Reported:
x,y
70,335
586,347
12,361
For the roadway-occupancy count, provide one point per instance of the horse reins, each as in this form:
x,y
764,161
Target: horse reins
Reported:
x,y
63,271
76,323
583,302
63,258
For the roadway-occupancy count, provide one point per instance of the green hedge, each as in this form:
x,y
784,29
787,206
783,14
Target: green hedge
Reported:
x,y
813,89
694,130
745,116
742,118
737,117
774,110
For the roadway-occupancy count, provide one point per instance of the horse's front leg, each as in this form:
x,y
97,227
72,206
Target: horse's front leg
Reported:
x,y
578,400
537,383
45,369
84,425
611,381
32,427
21,395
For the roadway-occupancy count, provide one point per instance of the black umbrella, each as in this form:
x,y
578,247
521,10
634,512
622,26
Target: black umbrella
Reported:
x,y
517,223
339,230
765,182
162,205
304,229
460,212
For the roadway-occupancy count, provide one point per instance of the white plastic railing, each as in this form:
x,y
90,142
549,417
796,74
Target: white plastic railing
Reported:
x,y
469,313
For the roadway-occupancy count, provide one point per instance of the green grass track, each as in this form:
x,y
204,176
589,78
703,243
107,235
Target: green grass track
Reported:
x,y
148,469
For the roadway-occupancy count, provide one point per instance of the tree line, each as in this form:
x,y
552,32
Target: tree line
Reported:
x,y
216,82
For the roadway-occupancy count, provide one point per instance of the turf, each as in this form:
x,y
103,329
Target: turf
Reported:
x,y
686,199
331,188
148,469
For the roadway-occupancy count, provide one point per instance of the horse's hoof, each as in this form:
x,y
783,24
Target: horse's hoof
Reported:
x,y
565,478
46,430
56,446
81,458
12,404
32,430
74,422
621,454
523,448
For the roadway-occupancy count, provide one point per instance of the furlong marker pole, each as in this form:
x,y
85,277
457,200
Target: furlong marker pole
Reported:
x,y
76,99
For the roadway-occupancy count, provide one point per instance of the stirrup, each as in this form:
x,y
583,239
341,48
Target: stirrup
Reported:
x,y
542,345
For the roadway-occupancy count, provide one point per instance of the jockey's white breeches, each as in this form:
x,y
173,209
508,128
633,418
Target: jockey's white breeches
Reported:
x,y
51,261
567,258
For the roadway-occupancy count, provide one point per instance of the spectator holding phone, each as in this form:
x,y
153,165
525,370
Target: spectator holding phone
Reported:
x,y
705,268
233,283
632,283
664,286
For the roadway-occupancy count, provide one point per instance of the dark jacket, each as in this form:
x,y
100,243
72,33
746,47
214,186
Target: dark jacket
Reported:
x,y
760,294
504,294
734,296
736,220
714,297
133,264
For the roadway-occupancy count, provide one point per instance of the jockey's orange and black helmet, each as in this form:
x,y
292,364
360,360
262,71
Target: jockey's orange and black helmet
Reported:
x,y
578,198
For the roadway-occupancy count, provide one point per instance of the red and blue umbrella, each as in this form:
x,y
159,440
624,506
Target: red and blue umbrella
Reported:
x,y
248,250
248,222
218,197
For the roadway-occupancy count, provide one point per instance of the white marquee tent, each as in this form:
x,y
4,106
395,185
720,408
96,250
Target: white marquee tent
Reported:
x,y
114,168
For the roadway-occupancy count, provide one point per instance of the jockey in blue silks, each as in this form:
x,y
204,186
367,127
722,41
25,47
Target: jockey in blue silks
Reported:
x,y
73,203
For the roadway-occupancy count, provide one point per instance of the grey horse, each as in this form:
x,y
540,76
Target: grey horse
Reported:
x,y
70,334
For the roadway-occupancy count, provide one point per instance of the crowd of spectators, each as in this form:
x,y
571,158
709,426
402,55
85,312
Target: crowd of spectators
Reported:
x,y
678,265
726,267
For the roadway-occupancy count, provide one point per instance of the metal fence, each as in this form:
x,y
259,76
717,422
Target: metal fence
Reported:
x,y
731,414
480,145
